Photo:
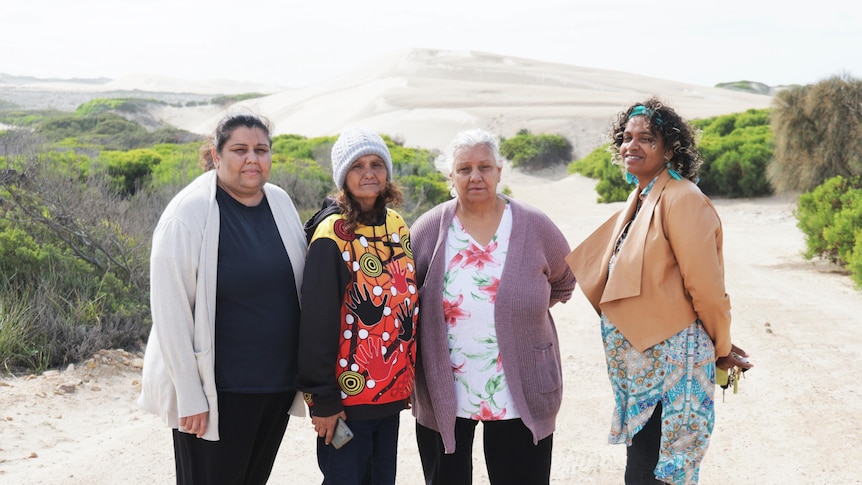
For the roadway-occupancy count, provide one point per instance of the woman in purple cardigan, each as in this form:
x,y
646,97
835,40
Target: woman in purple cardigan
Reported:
x,y
489,269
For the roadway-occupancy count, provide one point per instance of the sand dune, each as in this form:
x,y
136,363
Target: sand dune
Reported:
x,y
424,97
419,96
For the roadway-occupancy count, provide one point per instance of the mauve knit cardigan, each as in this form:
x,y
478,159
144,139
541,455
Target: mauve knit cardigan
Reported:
x,y
534,277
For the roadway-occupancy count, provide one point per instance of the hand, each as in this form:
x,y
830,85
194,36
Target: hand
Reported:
x,y
399,276
361,304
325,425
369,354
195,424
736,358
404,312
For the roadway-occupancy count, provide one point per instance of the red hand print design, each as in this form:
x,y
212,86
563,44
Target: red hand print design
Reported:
x,y
399,276
369,354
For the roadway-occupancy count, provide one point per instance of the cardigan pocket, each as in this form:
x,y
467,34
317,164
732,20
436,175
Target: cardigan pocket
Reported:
x,y
548,369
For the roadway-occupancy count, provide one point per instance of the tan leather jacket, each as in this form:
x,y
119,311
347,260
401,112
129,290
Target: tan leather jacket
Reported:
x,y
669,271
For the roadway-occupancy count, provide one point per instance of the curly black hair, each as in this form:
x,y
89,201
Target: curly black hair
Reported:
x,y
663,121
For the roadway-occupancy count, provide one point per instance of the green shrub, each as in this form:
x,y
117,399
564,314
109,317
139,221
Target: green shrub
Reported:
x,y
179,165
736,150
612,186
298,146
107,130
28,117
846,224
855,262
230,99
129,170
55,308
830,216
593,165
21,257
123,105
530,151
75,255
304,180
421,194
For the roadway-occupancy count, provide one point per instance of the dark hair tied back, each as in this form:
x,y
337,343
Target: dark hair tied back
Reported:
x,y
224,129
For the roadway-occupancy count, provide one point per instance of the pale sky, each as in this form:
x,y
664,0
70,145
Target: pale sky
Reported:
x,y
293,44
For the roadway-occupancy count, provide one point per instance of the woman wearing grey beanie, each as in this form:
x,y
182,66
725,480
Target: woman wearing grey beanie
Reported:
x,y
359,300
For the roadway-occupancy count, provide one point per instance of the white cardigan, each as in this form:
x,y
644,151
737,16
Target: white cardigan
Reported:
x,y
179,363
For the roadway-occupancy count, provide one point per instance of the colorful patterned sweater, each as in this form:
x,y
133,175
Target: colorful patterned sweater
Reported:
x,y
359,297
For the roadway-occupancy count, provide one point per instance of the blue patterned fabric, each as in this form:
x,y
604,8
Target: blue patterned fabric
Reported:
x,y
679,372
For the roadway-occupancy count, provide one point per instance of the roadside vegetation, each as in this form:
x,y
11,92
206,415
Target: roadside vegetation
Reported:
x,y
535,152
80,194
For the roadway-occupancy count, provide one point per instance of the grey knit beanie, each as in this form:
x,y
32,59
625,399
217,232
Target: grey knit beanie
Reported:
x,y
352,144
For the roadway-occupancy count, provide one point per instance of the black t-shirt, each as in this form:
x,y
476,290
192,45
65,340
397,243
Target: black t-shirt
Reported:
x,y
257,307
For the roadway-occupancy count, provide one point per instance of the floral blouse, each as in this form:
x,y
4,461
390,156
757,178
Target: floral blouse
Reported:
x,y
469,292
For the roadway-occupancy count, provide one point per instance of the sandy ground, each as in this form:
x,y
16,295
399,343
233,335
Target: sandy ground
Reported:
x,y
794,421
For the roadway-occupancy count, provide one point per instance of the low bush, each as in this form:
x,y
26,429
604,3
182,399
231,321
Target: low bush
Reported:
x,y
73,259
830,216
612,186
534,152
736,150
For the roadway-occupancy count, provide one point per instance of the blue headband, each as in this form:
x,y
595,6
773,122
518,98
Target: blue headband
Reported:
x,y
648,112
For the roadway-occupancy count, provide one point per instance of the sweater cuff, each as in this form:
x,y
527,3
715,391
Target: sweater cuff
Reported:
x,y
326,405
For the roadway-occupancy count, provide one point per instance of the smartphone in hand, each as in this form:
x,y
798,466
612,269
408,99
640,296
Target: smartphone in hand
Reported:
x,y
342,434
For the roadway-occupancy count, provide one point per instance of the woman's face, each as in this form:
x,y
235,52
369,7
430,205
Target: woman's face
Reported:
x,y
243,164
643,153
475,174
366,180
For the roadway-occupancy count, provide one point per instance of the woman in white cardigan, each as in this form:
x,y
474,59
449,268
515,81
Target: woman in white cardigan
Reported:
x,y
226,267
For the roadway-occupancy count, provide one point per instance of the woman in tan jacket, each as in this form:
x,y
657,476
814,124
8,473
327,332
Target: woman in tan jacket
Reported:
x,y
654,272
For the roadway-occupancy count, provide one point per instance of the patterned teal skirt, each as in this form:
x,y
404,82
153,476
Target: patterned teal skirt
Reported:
x,y
679,373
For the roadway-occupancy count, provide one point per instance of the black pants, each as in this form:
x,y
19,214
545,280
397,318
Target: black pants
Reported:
x,y
251,427
510,455
642,455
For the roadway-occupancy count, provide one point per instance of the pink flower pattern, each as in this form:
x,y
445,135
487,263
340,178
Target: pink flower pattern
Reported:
x,y
453,312
491,289
475,257
487,414
470,291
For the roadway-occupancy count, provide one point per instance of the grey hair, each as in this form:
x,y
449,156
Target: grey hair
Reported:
x,y
468,139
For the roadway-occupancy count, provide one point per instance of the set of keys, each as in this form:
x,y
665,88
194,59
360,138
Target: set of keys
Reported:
x,y
730,377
